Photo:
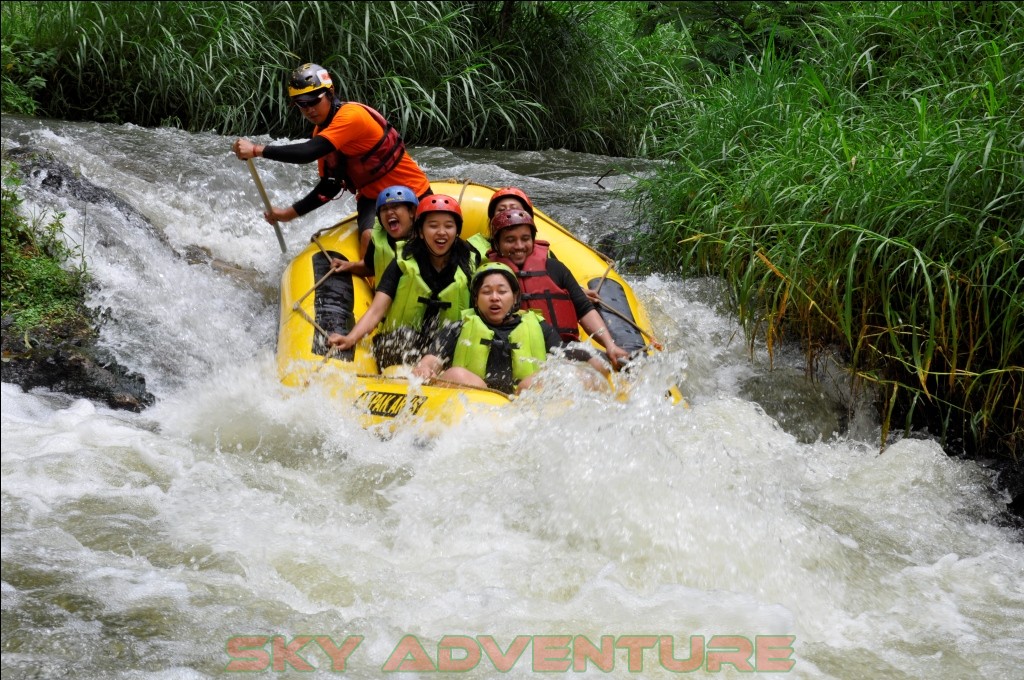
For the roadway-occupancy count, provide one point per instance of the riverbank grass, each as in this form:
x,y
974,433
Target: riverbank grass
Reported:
x,y
43,284
870,195
484,75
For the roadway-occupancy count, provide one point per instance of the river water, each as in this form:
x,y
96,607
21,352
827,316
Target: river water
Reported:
x,y
152,545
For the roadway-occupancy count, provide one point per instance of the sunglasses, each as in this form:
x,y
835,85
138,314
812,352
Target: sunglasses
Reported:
x,y
308,103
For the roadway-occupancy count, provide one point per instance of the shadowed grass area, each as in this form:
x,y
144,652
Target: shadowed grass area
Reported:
x,y
487,74
870,195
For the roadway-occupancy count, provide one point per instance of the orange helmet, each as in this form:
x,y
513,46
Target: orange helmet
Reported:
x,y
509,192
511,218
438,203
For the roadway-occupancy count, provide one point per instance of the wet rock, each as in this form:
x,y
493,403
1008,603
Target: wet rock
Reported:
x,y
1010,479
194,254
45,170
251,278
615,246
64,357
67,359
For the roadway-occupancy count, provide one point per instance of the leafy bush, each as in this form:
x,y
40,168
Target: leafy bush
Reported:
x,y
23,75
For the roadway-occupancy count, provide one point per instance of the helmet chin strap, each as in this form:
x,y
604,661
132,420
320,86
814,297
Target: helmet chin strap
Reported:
x,y
335,105
516,301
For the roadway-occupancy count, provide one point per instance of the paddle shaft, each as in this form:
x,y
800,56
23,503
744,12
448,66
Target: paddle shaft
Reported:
x,y
266,202
604,277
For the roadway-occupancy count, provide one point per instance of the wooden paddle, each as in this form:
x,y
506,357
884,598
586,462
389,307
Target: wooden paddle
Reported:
x,y
266,202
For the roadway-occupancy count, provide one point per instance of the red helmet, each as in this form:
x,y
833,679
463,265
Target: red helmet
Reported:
x,y
438,203
509,192
511,218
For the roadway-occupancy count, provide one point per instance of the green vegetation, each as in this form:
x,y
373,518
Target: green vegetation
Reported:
x,y
869,194
482,74
854,170
23,75
38,290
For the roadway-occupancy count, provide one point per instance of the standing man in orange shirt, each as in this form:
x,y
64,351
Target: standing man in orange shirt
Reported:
x,y
354,146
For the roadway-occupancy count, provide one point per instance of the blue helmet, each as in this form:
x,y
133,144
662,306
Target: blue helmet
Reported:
x,y
397,194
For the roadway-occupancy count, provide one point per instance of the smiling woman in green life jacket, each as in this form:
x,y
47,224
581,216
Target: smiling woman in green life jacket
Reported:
x,y
425,286
497,345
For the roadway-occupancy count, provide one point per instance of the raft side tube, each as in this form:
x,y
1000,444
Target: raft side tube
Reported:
x,y
625,334
333,303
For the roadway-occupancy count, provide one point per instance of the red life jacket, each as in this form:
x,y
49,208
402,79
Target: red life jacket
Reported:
x,y
541,293
383,157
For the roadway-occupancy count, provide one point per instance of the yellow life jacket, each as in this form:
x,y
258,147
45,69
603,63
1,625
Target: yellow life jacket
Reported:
x,y
480,243
413,296
477,338
383,253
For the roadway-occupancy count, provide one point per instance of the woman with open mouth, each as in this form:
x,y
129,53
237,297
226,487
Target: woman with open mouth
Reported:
x,y
424,287
497,345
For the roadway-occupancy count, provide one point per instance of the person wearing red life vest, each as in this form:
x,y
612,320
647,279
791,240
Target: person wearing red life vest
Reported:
x,y
548,286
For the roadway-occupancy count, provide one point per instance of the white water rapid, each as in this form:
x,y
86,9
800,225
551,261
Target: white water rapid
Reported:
x,y
235,515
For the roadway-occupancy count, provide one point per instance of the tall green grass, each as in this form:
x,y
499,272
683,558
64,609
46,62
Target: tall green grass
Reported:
x,y
488,74
870,195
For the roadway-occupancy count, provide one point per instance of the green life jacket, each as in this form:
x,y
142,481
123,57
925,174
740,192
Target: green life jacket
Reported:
x,y
476,339
414,296
480,243
383,253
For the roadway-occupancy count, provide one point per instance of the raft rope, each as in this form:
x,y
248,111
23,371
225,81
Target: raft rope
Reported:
x,y
331,351
654,342
604,277
315,238
297,307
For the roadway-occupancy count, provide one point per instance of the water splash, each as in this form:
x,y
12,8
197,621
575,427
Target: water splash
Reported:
x,y
138,544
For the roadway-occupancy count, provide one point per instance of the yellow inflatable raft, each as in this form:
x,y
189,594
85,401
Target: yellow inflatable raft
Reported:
x,y
315,302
